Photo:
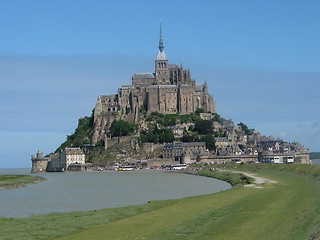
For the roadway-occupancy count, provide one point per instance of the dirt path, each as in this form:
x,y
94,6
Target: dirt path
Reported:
x,y
258,181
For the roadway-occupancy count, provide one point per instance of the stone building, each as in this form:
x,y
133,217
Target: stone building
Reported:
x,y
173,151
169,90
70,159
72,156
176,150
275,151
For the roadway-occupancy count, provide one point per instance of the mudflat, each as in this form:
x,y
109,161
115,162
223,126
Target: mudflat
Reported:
x,y
16,181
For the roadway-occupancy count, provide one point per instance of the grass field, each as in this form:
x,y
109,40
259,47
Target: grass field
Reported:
x,y
288,208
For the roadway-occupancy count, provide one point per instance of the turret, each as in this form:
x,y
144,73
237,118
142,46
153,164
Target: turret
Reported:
x,y
39,163
39,154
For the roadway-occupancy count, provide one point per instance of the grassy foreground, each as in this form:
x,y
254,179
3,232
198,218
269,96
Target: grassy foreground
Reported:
x,y
287,209
14,181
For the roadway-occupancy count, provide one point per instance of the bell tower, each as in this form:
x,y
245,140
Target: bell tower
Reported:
x,y
161,64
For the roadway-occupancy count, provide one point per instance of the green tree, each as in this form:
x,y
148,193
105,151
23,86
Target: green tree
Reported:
x,y
187,138
166,136
245,128
186,118
203,126
210,142
121,128
170,120
199,110
218,118
82,134
190,138
152,137
156,135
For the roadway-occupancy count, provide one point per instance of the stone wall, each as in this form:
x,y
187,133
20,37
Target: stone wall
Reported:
x,y
39,165
230,159
112,141
147,147
303,157
158,162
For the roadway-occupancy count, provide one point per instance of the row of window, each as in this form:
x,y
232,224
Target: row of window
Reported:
x,y
162,65
112,109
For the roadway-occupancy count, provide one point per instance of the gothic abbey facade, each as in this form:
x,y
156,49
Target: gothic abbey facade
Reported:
x,y
169,90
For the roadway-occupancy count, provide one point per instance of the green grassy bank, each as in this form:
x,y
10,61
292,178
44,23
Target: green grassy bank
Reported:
x,y
288,208
14,181
234,178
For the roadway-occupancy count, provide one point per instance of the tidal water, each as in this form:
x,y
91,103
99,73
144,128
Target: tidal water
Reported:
x,y
80,191
315,161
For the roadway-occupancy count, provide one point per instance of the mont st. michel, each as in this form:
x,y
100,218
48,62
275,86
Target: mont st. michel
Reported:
x,y
163,118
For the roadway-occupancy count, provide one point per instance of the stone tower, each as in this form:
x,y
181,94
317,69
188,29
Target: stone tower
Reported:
x,y
161,64
39,163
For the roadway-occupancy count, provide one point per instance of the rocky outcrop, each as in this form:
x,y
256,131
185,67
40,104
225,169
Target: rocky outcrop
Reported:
x,y
101,124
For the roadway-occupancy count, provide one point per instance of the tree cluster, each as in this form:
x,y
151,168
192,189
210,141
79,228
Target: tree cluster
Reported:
x,y
203,126
121,128
171,119
245,128
82,134
157,135
208,139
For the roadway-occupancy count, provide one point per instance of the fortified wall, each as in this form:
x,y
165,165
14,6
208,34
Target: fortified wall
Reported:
x,y
39,163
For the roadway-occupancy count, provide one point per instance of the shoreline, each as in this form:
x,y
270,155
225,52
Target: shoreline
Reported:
x,y
234,178
97,190
170,218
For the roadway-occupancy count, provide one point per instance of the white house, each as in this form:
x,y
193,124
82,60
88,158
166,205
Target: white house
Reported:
x,y
71,156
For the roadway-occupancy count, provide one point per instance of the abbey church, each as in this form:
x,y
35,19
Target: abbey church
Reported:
x,y
169,90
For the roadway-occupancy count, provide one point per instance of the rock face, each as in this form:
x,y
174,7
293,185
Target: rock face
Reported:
x,y
101,123
169,90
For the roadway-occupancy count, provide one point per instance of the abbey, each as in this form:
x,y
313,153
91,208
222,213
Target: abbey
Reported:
x,y
169,90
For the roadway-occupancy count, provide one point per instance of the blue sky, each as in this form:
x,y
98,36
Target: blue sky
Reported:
x,y
261,60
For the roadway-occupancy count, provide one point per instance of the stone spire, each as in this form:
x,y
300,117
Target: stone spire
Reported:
x,y
161,64
161,47
205,86
161,54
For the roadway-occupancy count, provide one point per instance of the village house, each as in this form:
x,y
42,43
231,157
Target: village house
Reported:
x,y
175,150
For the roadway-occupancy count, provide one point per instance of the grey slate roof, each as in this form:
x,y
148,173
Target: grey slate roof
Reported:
x,y
143,75
163,86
